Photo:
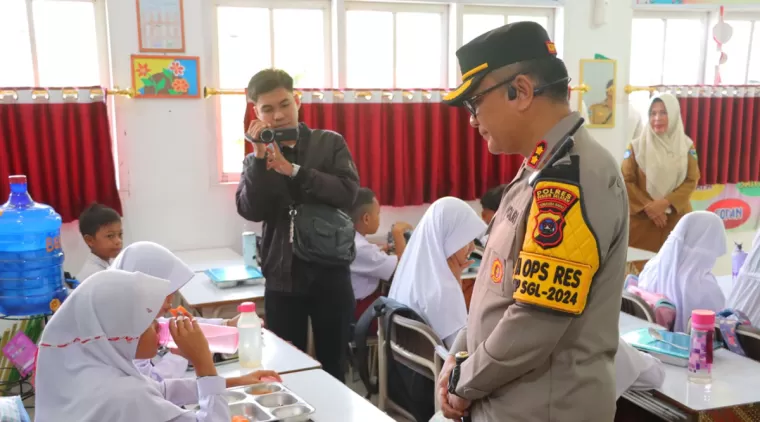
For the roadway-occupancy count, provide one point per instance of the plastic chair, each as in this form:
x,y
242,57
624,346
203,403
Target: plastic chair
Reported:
x,y
636,306
414,345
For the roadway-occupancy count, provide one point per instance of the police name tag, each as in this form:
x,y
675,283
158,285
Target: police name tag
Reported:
x,y
552,283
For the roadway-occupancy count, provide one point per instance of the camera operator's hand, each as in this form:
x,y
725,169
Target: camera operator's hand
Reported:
x,y
254,131
278,163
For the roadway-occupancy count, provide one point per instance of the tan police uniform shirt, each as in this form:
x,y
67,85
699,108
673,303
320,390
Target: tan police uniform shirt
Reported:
x,y
542,330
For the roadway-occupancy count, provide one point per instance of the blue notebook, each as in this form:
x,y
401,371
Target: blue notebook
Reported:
x,y
641,340
231,276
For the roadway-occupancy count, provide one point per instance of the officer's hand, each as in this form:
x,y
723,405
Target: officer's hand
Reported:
x,y
443,390
459,403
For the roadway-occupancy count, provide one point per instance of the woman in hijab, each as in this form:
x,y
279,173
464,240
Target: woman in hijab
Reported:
x,y
745,295
157,261
85,370
428,278
682,269
661,171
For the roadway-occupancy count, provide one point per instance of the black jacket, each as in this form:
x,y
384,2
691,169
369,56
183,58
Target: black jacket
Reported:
x,y
327,175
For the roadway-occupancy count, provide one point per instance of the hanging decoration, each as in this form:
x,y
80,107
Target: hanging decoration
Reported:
x,y
721,34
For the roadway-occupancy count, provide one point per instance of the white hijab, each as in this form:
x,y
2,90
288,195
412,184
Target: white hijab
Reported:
x,y
155,260
745,295
682,270
423,280
664,158
84,367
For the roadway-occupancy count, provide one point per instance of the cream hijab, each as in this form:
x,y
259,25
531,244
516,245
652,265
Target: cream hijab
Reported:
x,y
155,260
84,367
682,269
423,280
745,295
664,158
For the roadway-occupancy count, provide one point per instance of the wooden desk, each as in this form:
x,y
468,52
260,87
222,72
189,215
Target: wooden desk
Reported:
x,y
202,295
333,401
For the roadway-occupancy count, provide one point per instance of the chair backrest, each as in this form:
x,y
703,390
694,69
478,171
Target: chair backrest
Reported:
x,y
749,338
413,344
636,306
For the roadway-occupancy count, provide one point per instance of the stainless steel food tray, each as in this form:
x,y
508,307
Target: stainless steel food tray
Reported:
x,y
268,402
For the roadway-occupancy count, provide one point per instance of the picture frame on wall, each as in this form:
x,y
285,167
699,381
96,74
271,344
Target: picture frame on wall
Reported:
x,y
168,77
161,26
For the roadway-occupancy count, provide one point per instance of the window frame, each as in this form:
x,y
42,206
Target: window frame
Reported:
x,y
746,16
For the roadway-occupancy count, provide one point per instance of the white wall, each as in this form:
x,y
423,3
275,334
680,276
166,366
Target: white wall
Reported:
x,y
167,148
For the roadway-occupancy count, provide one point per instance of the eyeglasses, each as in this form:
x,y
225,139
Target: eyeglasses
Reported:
x,y
471,104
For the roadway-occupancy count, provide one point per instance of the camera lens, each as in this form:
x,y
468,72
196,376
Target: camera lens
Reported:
x,y
267,136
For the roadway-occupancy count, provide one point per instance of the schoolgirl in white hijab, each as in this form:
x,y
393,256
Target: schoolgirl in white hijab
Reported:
x,y
428,277
682,270
157,261
745,295
664,157
85,370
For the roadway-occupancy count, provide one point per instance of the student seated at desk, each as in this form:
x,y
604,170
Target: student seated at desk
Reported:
x,y
157,261
745,295
635,370
372,263
100,227
682,269
428,278
84,366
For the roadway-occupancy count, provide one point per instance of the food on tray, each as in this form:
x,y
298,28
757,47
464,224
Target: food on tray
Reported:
x,y
261,390
239,419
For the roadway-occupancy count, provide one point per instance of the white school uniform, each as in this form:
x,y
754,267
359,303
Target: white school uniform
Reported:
x,y
157,261
635,370
369,267
85,370
92,265
423,280
745,295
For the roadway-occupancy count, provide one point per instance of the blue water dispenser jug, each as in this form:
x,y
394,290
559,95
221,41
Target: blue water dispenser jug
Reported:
x,y
31,258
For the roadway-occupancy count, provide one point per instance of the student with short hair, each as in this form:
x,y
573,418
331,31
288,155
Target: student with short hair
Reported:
x,y
101,230
490,201
372,263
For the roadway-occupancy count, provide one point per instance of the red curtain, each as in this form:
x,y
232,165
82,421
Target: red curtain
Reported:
x,y
409,152
63,146
724,123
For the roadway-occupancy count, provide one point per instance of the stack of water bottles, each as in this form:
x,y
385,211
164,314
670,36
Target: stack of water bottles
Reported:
x,y
31,258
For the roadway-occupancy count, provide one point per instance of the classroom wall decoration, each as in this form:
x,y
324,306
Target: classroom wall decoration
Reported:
x,y
166,76
161,26
738,205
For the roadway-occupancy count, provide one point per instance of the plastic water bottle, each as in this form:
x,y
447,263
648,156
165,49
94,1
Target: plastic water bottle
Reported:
x,y
738,256
249,249
701,346
251,341
31,258
221,339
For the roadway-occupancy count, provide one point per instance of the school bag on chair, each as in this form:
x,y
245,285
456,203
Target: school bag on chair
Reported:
x,y
728,320
664,310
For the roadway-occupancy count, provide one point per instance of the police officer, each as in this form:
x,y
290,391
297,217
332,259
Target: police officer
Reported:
x,y
543,325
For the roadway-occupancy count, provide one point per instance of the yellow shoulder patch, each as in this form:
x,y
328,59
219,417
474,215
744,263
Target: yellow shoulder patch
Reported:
x,y
559,256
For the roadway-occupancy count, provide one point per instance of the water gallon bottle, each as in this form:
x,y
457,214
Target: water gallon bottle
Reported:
x,y
251,341
738,256
701,346
31,258
221,338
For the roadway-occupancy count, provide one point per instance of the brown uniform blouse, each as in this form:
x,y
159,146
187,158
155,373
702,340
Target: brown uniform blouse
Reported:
x,y
644,234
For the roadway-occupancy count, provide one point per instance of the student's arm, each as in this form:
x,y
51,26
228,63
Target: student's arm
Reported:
x,y
337,188
681,196
637,197
256,197
373,262
209,394
169,366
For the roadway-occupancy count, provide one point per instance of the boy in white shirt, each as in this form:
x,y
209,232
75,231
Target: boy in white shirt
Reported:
x,y
101,229
372,263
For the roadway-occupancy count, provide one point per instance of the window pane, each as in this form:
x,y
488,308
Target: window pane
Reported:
x,y
233,109
418,50
683,51
67,43
241,30
475,24
734,71
753,76
369,49
541,20
646,51
301,56
14,42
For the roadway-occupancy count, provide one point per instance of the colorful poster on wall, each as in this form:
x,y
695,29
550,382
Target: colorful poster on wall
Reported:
x,y
737,205
701,2
166,76
160,26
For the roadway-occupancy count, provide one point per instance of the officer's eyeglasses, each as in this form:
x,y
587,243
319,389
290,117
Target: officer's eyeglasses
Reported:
x,y
471,104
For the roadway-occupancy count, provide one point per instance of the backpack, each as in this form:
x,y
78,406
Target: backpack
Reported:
x,y
664,310
407,388
728,320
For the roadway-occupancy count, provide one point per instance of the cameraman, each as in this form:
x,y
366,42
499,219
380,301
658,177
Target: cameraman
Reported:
x,y
314,167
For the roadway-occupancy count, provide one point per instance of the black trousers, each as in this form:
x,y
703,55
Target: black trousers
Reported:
x,y
330,304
